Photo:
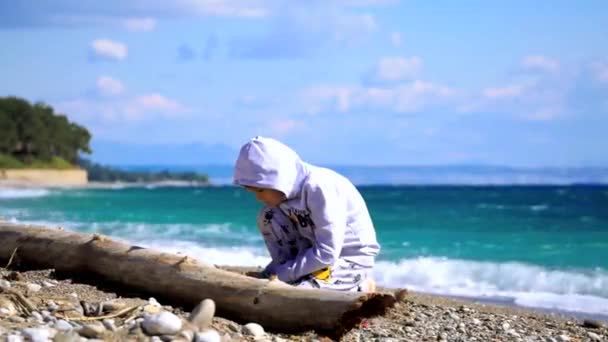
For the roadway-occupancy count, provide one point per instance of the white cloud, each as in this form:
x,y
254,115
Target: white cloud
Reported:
x,y
282,127
406,97
396,39
153,104
140,24
506,92
109,86
319,97
133,109
110,49
539,62
397,68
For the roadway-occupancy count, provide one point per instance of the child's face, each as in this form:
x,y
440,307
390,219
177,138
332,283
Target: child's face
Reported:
x,y
269,197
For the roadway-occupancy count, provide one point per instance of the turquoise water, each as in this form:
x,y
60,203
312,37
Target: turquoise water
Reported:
x,y
538,246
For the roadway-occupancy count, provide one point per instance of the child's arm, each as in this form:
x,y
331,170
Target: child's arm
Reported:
x,y
328,213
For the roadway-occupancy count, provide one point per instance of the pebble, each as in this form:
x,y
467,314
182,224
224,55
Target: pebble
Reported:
x,y
33,287
109,324
563,338
48,284
454,316
63,325
164,323
476,321
5,283
52,306
593,324
207,336
92,330
253,329
16,319
593,336
203,313
14,338
506,326
37,316
68,336
38,334
154,302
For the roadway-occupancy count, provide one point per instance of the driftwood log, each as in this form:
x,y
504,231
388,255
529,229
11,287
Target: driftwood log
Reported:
x,y
238,297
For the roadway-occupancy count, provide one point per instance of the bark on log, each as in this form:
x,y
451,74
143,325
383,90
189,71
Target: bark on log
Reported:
x,y
238,297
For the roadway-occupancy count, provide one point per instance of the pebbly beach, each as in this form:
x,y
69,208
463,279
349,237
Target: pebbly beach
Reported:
x,y
46,305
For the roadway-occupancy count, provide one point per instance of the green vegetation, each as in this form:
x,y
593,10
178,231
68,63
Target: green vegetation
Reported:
x,y
34,136
102,173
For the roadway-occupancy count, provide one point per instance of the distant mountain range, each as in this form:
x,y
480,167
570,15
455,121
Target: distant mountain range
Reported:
x,y
217,162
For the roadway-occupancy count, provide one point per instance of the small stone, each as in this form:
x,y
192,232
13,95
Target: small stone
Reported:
x,y
74,295
152,309
5,283
203,313
92,330
37,316
410,323
38,334
48,284
155,339
593,324
14,338
154,302
476,321
563,338
278,339
63,325
109,324
233,327
593,336
16,319
33,287
164,323
253,329
207,336
513,333
506,326
68,336
113,306
442,337
454,316
46,316
52,306
187,334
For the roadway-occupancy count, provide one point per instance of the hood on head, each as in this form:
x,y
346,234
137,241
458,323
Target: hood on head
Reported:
x,y
268,163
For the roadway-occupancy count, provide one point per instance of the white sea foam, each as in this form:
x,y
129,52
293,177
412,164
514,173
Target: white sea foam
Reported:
x,y
523,284
230,256
11,193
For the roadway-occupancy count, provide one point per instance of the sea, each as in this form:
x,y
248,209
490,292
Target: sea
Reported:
x,y
540,246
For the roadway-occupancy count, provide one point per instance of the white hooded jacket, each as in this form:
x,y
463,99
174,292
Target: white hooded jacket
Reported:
x,y
330,211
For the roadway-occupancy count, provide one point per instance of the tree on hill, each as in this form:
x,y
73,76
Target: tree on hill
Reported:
x,y
35,132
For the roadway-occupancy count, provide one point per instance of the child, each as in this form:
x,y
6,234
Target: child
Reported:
x,y
315,223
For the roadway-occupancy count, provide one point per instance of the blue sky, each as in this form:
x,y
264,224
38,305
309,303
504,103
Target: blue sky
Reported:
x,y
378,82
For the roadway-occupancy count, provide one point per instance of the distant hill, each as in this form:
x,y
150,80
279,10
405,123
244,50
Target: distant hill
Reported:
x,y
113,153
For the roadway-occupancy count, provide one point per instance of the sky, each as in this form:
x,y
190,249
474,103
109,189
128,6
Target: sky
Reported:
x,y
365,82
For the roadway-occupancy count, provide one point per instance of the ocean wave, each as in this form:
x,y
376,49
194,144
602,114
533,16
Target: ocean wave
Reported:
x,y
11,193
583,291
228,256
